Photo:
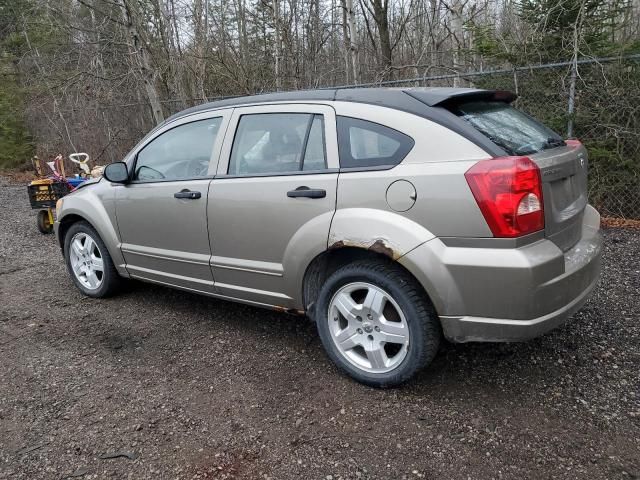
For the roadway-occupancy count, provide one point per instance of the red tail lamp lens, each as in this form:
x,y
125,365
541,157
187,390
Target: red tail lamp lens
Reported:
x,y
509,193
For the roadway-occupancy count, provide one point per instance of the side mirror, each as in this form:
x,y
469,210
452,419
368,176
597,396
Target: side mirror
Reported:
x,y
116,172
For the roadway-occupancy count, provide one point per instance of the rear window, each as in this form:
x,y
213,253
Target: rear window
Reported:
x,y
516,132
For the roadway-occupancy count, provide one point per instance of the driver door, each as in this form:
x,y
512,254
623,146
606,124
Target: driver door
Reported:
x,y
161,212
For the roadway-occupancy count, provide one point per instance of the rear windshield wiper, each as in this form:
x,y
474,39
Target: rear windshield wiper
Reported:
x,y
497,141
553,142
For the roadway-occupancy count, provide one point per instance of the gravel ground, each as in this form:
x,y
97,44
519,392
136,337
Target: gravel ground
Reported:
x,y
180,386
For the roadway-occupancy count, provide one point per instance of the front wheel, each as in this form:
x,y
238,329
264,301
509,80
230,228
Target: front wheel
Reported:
x,y
89,262
376,323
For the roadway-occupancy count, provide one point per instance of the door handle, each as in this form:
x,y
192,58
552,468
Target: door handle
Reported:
x,y
307,192
188,194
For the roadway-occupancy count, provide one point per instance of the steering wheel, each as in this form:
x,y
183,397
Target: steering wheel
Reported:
x,y
197,167
194,168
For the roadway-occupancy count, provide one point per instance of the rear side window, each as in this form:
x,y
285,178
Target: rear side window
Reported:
x,y
367,144
277,143
515,131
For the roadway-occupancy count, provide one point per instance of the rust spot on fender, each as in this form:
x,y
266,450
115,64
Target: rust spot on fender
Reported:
x,y
338,244
378,246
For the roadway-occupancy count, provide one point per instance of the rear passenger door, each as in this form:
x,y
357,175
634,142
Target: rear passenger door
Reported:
x,y
272,201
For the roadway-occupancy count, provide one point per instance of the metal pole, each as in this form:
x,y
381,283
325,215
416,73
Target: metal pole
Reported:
x,y
572,96
516,88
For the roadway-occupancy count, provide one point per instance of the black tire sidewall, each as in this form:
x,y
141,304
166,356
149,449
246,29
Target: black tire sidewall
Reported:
x,y
398,286
109,275
44,225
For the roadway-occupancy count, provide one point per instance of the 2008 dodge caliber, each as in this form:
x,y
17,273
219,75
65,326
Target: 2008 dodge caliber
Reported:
x,y
390,217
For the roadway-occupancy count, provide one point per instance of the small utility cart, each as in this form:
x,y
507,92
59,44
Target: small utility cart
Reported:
x,y
45,192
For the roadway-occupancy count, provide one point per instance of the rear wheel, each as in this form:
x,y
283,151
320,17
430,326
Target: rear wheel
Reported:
x,y
376,323
44,222
89,262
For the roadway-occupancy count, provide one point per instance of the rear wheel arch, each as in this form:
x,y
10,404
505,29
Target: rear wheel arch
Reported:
x,y
327,262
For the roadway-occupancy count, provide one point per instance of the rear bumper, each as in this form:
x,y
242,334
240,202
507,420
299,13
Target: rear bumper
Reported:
x,y
508,294
479,329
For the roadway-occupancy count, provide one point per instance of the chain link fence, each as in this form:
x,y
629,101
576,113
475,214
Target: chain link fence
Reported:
x,y
595,100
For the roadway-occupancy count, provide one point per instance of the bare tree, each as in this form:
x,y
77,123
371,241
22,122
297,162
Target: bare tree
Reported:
x,y
99,73
141,63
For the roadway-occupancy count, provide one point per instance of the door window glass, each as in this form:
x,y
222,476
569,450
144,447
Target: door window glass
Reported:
x,y
314,157
277,143
368,144
180,153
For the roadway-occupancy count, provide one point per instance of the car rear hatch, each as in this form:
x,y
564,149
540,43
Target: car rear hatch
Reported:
x,y
563,165
564,192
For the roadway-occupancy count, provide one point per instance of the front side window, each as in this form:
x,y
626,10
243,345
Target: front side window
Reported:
x,y
368,144
276,143
513,130
180,153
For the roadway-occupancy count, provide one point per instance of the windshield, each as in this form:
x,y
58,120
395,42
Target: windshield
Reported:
x,y
511,129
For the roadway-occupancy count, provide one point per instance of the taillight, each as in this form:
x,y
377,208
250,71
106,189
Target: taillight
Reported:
x,y
509,193
573,143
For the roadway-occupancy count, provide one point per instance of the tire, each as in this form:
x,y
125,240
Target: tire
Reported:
x,y
408,319
87,256
44,225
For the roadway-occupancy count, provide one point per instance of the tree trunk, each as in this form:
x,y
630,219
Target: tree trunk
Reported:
x,y
577,32
142,65
345,39
353,47
381,17
278,46
200,26
173,50
458,36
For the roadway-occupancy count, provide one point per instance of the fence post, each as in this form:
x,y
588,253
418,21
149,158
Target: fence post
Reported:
x,y
572,96
516,88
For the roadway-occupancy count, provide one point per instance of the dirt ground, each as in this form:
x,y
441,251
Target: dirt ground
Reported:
x,y
177,386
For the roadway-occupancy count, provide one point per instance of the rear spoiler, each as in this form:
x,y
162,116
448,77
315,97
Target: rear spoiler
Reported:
x,y
446,97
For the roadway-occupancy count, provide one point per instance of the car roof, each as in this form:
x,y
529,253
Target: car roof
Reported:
x,y
410,99
423,102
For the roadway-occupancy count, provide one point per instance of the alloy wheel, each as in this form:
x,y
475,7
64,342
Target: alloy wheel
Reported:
x,y
86,261
368,327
